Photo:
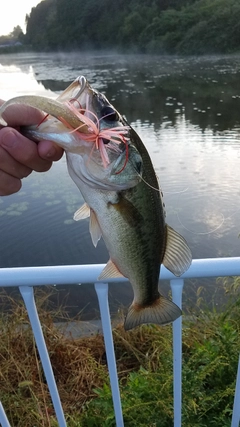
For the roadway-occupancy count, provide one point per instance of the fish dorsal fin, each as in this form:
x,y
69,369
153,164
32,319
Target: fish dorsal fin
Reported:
x,y
177,257
110,270
94,228
82,213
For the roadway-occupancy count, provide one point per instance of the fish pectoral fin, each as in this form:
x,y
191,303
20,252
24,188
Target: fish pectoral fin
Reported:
x,y
94,228
110,271
161,312
82,213
177,257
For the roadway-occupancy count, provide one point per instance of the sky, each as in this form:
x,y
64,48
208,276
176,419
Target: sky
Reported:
x,y
13,13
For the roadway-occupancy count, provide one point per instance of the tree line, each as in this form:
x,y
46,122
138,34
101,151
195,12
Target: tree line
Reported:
x,y
149,26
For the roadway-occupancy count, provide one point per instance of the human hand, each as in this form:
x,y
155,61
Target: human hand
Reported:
x,y
19,156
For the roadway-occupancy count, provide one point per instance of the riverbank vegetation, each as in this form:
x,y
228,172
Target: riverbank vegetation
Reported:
x,y
211,342
149,26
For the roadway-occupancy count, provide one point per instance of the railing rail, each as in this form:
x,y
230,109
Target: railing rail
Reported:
x,y
27,277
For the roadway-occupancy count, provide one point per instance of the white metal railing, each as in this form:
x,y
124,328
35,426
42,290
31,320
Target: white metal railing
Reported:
x,y
28,277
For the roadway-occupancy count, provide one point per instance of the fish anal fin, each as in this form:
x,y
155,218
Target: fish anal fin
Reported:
x,y
110,271
82,213
161,312
94,228
177,257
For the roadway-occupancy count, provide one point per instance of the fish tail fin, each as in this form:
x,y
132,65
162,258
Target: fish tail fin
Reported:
x,y
162,312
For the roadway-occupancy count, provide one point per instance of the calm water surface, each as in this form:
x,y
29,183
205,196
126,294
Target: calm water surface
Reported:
x,y
187,112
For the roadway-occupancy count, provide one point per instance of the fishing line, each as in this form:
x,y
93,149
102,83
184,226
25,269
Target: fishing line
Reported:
x,y
159,190
229,217
224,219
147,183
177,192
180,222
201,233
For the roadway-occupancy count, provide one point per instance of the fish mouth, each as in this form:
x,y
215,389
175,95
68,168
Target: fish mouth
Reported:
x,y
84,92
121,174
83,83
96,105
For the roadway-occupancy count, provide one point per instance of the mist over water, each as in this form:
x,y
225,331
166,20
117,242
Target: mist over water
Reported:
x,y
186,110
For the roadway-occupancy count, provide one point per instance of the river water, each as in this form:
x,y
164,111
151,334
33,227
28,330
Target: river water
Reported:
x,y
187,112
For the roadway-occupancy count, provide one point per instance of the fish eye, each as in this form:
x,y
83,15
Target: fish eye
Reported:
x,y
109,114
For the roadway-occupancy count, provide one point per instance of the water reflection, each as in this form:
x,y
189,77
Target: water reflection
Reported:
x,y
187,113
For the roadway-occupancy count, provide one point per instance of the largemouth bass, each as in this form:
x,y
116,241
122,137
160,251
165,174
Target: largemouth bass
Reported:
x,y
131,220
132,224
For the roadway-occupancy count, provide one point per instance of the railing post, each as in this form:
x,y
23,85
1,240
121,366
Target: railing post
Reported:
x,y
3,417
236,404
28,297
177,288
102,294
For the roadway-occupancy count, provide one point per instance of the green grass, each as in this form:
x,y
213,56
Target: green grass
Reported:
x,y
211,345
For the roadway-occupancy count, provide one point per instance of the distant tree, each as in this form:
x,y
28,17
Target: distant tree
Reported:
x,y
157,26
38,23
15,37
16,32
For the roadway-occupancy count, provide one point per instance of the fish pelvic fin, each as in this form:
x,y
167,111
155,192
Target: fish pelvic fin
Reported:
x,y
94,228
82,213
177,257
161,312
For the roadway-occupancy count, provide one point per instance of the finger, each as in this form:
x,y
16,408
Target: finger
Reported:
x,y
9,184
11,166
21,115
23,150
49,151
